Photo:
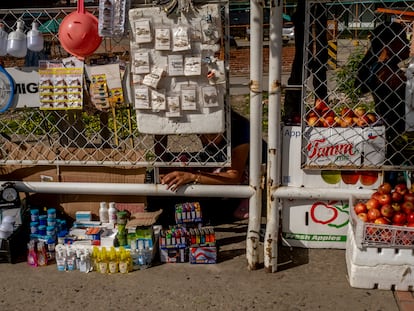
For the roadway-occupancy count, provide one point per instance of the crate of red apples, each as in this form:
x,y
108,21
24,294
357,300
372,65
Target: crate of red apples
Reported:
x,y
386,218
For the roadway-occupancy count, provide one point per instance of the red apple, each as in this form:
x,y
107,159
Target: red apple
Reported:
x,y
346,111
371,232
372,117
382,221
363,217
409,196
385,199
373,214
385,188
360,111
401,188
363,121
410,219
347,121
321,106
387,210
368,178
373,204
328,121
313,121
399,219
350,177
396,197
396,206
386,236
360,207
407,207
375,195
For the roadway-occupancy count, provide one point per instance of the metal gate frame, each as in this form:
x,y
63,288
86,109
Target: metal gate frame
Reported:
x,y
252,191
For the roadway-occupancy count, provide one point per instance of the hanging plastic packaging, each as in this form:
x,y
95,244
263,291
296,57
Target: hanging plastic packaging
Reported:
x,y
3,40
112,17
16,41
106,17
35,38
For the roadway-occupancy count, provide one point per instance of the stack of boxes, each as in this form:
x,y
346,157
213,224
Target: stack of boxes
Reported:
x,y
313,223
188,240
379,256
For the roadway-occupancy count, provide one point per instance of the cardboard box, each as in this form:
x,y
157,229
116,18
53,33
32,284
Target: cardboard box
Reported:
x,y
333,146
295,174
203,255
174,255
314,223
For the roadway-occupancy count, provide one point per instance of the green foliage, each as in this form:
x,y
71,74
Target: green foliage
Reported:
x,y
346,74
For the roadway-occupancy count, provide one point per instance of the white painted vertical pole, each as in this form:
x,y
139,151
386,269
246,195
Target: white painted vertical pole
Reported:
x,y
256,87
274,143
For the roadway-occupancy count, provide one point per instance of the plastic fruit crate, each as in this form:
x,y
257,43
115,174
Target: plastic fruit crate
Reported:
x,y
373,256
370,234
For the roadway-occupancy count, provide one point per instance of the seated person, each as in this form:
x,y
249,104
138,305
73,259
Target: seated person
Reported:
x,y
214,146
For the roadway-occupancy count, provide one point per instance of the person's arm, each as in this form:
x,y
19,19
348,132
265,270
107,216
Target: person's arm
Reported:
x,y
229,176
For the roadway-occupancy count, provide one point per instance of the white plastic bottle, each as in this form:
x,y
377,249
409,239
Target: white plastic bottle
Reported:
x,y
103,213
3,40
112,213
16,41
35,39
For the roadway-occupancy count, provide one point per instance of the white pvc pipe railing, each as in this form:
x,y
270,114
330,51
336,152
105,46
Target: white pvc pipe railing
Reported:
x,y
274,143
289,192
236,191
256,109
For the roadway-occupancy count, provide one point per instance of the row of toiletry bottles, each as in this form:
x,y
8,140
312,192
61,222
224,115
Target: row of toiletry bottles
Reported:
x,y
17,42
102,260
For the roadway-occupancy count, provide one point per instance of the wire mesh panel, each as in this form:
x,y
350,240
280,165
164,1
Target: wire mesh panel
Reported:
x,y
92,135
356,105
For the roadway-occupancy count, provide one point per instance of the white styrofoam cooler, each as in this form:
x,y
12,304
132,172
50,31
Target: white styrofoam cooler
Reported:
x,y
388,269
373,256
315,223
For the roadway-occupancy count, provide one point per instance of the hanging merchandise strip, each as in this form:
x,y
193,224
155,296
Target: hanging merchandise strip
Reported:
x,y
179,84
61,86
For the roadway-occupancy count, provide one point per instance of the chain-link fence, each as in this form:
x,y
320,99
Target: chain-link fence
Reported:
x,y
94,136
356,105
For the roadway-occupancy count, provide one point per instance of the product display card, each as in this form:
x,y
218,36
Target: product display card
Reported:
x,y
181,40
61,88
142,97
192,66
175,65
189,97
143,31
163,39
141,63
173,110
158,100
178,69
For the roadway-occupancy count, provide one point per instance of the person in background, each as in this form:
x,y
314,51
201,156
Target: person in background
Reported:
x,y
214,148
380,74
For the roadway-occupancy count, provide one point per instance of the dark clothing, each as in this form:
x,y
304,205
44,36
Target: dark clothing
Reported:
x,y
379,73
214,210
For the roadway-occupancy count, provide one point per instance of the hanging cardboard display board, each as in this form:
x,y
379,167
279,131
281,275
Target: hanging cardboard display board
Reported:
x,y
178,83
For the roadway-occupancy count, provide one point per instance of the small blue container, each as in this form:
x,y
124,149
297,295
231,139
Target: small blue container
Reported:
x,y
41,230
51,222
34,215
43,220
34,227
51,213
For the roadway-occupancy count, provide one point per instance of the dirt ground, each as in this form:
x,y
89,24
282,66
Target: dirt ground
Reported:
x,y
315,280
